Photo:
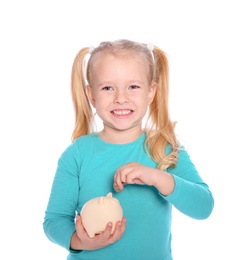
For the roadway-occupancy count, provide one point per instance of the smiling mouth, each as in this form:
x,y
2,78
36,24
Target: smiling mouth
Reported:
x,y
123,112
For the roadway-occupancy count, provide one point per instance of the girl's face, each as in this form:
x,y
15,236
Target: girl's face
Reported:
x,y
120,92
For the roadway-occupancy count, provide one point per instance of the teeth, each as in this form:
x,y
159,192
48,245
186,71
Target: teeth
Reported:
x,y
122,112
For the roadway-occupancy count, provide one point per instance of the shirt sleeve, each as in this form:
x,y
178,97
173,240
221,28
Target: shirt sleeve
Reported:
x,y
59,220
191,194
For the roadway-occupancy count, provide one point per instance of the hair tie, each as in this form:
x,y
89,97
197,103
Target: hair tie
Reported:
x,y
91,49
150,47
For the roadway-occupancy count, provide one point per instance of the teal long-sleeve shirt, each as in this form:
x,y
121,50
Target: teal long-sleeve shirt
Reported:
x,y
86,170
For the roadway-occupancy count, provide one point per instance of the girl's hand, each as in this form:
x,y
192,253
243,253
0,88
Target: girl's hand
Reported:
x,y
81,241
136,173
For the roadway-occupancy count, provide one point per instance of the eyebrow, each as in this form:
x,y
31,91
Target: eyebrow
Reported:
x,y
106,83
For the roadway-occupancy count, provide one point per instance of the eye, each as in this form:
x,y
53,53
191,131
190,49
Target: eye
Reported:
x,y
134,87
107,88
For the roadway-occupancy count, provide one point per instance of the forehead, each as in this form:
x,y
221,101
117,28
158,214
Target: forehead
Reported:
x,y
135,58
117,59
115,69
122,55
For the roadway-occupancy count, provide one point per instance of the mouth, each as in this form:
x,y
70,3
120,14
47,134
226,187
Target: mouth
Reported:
x,y
122,112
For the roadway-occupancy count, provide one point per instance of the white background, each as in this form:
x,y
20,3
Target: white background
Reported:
x,y
207,43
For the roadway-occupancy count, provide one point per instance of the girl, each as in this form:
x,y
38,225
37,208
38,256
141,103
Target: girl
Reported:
x,y
143,165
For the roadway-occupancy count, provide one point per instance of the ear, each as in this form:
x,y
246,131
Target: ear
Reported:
x,y
152,92
90,95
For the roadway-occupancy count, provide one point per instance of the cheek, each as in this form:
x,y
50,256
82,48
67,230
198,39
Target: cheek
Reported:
x,y
100,102
145,100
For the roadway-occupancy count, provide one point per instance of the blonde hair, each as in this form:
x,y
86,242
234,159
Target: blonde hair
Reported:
x,y
159,128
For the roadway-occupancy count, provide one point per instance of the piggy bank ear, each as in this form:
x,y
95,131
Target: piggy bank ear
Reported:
x,y
109,199
109,195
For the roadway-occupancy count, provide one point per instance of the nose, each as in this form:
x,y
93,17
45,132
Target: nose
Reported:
x,y
120,97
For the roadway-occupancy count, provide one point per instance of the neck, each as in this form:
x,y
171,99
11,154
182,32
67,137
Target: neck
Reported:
x,y
120,136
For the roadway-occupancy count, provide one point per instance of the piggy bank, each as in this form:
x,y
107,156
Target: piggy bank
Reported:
x,y
97,212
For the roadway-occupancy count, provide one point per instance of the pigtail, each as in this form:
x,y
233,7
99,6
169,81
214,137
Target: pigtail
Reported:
x,y
161,131
82,108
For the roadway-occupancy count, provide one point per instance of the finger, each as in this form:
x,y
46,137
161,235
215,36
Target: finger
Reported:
x,y
78,223
118,185
105,235
119,230
81,232
132,178
123,175
121,226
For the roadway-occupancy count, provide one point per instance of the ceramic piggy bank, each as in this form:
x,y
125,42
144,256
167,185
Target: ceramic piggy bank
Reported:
x,y
97,212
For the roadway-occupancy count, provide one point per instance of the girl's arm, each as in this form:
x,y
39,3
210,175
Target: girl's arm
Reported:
x,y
181,185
